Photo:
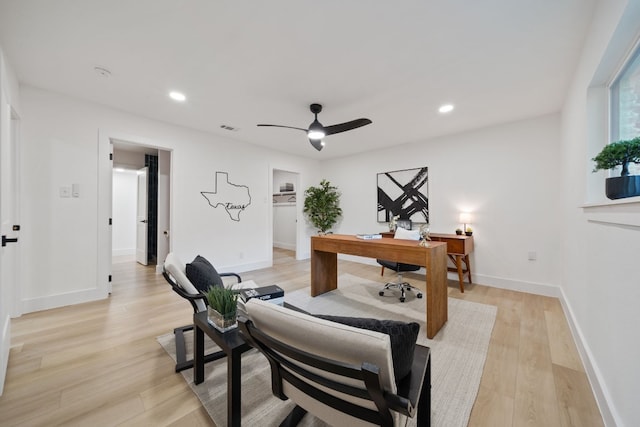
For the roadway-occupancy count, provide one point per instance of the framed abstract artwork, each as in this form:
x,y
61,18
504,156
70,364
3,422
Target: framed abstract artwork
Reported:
x,y
404,193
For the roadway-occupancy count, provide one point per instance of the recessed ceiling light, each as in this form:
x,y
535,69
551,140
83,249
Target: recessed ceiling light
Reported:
x,y
446,108
177,96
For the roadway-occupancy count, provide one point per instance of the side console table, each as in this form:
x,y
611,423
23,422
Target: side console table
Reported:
x,y
458,249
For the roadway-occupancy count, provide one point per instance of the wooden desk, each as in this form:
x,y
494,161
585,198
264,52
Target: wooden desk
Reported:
x,y
324,267
458,249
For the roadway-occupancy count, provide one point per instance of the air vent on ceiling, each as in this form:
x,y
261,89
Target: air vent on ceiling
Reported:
x,y
230,128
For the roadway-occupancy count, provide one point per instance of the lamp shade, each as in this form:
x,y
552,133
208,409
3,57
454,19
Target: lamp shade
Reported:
x,y
465,218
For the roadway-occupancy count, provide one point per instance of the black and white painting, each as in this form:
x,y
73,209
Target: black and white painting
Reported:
x,y
404,193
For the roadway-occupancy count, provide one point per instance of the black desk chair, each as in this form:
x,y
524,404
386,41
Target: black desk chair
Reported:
x,y
400,268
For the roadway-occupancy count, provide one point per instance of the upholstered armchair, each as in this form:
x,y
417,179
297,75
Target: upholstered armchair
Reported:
x,y
342,374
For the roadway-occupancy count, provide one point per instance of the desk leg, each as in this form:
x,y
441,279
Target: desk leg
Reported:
x,y
437,295
324,272
460,272
234,396
198,355
468,264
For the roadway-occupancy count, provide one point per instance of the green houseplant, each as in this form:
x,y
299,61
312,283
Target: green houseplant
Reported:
x,y
222,310
322,206
620,153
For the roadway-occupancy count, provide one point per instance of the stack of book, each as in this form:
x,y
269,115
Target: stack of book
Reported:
x,y
273,294
287,186
369,236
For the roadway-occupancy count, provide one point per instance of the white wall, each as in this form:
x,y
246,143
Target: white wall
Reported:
x,y
125,187
507,176
600,281
60,146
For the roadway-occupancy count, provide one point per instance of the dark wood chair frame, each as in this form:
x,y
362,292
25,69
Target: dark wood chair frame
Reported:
x,y
181,347
413,392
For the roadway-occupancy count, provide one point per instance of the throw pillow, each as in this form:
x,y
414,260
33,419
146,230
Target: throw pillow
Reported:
x,y
403,338
202,274
402,233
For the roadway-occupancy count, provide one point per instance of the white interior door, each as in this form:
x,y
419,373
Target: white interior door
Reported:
x,y
142,225
9,287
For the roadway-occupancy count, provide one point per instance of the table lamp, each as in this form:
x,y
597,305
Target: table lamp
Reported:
x,y
465,218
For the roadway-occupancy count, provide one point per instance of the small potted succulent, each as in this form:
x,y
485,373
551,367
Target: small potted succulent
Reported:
x,y
468,231
222,310
620,153
459,231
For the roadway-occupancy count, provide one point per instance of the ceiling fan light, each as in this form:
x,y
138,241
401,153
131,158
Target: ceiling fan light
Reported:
x,y
315,134
316,131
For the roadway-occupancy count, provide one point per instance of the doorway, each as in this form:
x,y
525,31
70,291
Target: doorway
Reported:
x,y
10,295
140,204
285,209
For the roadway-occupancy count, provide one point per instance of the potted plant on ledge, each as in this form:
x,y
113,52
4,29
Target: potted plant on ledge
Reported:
x,y
222,310
620,153
322,206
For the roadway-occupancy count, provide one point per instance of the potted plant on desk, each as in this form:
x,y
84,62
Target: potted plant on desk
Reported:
x,y
222,310
620,153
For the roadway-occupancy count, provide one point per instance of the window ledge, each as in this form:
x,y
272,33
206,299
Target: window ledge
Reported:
x,y
617,202
622,212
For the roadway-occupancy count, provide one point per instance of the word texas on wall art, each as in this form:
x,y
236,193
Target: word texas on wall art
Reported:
x,y
232,197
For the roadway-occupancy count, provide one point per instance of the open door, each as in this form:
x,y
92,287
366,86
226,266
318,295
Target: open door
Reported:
x,y
142,217
9,288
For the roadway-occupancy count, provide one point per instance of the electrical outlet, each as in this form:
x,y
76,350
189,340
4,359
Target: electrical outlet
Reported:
x,y
65,191
533,256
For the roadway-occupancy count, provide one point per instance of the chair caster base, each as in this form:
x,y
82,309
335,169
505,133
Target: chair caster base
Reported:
x,y
401,299
419,295
381,293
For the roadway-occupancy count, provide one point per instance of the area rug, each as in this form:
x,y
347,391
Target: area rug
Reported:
x,y
458,353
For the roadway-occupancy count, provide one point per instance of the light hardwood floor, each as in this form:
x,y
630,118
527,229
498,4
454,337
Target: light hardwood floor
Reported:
x,y
99,364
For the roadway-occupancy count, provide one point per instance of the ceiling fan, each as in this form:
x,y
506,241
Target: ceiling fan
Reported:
x,y
316,131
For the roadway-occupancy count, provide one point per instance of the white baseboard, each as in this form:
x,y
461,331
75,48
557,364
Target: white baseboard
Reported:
x,y
609,416
5,344
123,252
496,282
240,268
543,289
284,245
61,300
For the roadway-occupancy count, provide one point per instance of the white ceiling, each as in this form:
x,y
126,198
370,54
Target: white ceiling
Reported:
x,y
246,62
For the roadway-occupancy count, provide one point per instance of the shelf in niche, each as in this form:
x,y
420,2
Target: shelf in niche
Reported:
x,y
288,197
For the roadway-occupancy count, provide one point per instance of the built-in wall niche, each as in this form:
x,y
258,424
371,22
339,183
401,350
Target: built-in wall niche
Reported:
x,y
284,209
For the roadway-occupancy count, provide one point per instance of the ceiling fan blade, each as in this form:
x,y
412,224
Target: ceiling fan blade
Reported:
x,y
317,143
342,127
281,126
